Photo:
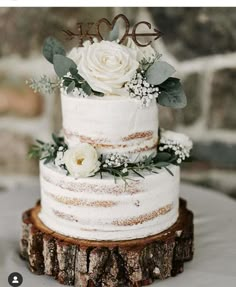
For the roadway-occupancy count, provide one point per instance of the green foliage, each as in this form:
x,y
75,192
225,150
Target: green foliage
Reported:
x,y
55,53
62,65
70,87
150,164
158,72
162,157
52,47
172,94
76,81
98,94
86,88
47,151
75,74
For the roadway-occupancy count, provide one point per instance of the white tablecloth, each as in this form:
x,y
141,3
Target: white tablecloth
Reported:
x,y
214,262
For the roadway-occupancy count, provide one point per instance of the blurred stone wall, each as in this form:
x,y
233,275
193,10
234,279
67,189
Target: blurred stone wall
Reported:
x,y
25,115
199,42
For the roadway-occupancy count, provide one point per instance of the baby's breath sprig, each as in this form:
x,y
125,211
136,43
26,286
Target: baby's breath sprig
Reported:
x,y
140,89
44,85
177,144
116,160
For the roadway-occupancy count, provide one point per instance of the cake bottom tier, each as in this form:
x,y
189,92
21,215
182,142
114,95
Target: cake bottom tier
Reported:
x,y
84,263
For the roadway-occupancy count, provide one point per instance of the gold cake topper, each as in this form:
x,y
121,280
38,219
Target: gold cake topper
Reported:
x,y
86,34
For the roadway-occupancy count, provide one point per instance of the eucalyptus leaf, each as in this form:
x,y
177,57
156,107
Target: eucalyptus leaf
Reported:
x,y
86,88
158,72
71,87
98,94
66,82
52,47
73,71
62,65
75,74
162,156
172,94
149,159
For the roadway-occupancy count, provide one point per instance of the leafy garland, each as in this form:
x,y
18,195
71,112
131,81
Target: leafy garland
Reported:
x,y
150,164
48,153
157,73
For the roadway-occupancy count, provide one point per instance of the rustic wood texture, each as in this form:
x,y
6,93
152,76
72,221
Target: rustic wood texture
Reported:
x,y
83,263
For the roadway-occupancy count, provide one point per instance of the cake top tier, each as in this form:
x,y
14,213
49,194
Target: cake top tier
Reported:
x,y
111,124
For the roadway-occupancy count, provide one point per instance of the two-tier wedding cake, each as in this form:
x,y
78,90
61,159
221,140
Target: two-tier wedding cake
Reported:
x,y
110,213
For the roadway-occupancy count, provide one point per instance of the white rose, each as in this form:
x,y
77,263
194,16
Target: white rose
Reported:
x,y
147,52
81,160
106,66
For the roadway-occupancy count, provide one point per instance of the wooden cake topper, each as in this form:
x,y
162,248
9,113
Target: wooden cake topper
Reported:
x,y
87,34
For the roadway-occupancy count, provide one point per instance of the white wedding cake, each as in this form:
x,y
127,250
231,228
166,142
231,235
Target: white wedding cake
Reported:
x,y
110,212
99,185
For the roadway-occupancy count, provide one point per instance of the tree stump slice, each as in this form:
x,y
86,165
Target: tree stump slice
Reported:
x,y
130,263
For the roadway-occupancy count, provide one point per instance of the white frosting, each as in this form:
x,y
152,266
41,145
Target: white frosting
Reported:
x,y
112,124
96,209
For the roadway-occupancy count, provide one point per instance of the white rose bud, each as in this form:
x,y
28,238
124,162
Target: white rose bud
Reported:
x,y
82,160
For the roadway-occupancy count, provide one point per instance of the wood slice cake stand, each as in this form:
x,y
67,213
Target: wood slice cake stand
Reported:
x,y
130,263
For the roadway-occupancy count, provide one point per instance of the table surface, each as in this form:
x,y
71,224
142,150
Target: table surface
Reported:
x,y
214,262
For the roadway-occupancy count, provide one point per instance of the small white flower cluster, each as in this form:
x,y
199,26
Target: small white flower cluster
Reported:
x,y
43,85
117,160
59,160
140,89
179,143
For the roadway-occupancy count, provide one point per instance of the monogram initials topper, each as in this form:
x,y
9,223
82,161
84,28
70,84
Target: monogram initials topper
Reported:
x,y
93,30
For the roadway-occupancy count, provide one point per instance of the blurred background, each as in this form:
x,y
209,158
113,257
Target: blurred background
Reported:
x,y
199,42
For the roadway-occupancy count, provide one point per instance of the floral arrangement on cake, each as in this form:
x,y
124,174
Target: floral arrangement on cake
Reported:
x,y
109,68
83,160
